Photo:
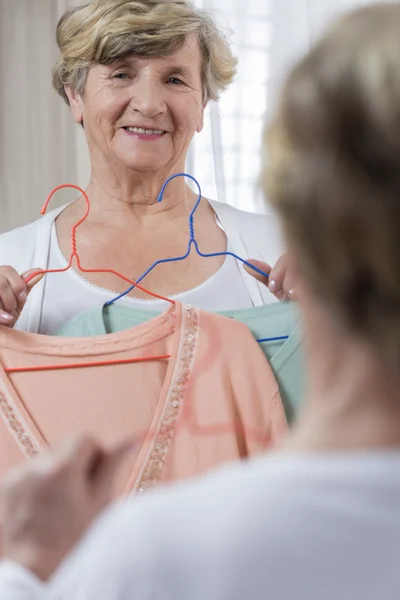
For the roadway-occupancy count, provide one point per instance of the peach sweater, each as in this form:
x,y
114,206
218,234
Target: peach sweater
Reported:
x,y
214,400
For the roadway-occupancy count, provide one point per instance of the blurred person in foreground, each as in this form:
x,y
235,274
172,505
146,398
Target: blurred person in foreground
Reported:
x,y
320,519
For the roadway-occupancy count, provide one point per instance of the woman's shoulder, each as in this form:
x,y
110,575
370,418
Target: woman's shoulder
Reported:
x,y
244,219
21,235
259,234
19,246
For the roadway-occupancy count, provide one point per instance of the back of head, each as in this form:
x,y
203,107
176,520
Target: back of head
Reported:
x,y
103,31
333,173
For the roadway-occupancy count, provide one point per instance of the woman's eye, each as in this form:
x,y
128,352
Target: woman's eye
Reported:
x,y
121,76
175,81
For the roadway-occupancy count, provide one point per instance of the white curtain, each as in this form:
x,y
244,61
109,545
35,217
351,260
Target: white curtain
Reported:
x,y
225,156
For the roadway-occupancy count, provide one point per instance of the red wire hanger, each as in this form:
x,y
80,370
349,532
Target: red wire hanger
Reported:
x,y
74,255
74,251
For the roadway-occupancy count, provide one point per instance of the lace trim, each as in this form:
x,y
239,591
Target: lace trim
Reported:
x,y
174,402
17,428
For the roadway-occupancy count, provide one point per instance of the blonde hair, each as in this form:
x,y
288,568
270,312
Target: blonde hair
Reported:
x,y
333,173
105,30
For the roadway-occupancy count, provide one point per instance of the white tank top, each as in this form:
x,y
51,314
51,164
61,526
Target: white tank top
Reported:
x,y
68,294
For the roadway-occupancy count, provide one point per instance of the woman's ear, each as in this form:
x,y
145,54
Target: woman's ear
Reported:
x,y
76,104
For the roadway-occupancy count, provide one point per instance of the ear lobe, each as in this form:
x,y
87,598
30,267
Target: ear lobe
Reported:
x,y
201,120
76,104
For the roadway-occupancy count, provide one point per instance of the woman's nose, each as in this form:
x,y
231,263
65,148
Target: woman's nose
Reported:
x,y
147,97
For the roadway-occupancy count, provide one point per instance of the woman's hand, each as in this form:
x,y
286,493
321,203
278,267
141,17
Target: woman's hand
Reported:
x,y
280,280
47,504
14,292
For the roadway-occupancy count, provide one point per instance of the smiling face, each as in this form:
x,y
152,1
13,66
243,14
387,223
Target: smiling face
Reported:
x,y
141,112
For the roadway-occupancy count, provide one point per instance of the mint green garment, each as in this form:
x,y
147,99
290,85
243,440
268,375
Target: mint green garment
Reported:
x,y
270,321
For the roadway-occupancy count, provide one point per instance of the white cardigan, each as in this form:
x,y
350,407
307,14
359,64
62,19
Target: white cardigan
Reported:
x,y
249,236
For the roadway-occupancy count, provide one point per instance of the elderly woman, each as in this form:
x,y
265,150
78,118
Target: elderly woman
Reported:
x,y
137,76
320,520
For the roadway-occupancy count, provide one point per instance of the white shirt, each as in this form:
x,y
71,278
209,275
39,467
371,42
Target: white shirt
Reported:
x,y
68,294
311,527
249,236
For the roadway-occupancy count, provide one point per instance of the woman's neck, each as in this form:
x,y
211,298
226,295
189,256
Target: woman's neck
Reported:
x,y
119,197
352,401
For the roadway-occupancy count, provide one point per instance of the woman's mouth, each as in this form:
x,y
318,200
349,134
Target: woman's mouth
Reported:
x,y
144,133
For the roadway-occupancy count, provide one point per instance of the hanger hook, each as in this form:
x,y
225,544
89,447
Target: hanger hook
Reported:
x,y
161,194
67,185
191,216
81,220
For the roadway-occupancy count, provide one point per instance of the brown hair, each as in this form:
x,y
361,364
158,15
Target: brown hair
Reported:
x,y
333,172
103,31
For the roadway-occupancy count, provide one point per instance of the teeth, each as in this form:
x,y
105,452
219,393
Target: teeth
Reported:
x,y
145,131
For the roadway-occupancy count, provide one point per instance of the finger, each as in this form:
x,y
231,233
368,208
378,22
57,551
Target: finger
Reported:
x,y
262,267
32,277
17,284
13,294
8,298
106,468
277,277
6,319
72,456
79,451
290,285
289,290
9,319
88,457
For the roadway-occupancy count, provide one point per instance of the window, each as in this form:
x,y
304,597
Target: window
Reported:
x,y
225,156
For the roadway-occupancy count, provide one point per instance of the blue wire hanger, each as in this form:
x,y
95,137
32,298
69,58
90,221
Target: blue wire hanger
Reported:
x,y
192,242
